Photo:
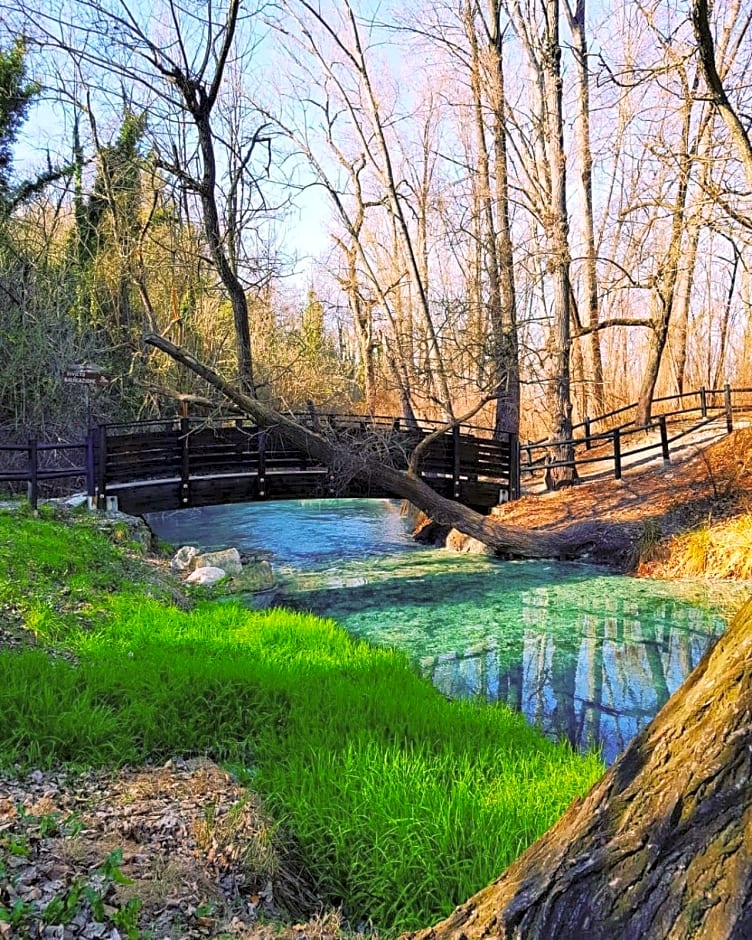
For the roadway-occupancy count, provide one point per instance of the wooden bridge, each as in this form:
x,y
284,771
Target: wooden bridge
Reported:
x,y
195,462
173,464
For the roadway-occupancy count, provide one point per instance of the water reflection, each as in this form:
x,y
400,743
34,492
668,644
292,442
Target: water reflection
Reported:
x,y
583,654
601,685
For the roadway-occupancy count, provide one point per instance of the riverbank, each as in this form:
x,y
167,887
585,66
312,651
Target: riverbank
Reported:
x,y
691,518
211,771
178,843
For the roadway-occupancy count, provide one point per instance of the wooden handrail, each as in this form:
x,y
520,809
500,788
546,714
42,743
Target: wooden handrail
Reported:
x,y
706,409
708,403
33,473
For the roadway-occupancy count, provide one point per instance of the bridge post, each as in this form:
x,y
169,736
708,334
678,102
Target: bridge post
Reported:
x,y
514,466
703,402
33,489
90,473
588,442
617,453
456,462
102,475
261,472
185,463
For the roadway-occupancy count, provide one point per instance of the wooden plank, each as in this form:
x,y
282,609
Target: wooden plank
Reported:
x,y
134,442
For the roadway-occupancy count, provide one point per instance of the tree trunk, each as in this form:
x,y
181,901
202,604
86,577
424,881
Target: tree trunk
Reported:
x,y
599,541
706,51
665,289
658,336
660,847
508,354
594,392
559,260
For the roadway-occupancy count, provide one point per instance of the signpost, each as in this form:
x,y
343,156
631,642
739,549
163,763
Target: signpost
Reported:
x,y
88,375
83,374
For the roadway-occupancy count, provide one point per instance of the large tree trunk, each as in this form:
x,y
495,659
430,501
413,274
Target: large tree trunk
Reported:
x,y
581,539
660,847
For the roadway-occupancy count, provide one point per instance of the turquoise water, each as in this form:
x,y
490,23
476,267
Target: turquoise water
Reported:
x,y
584,654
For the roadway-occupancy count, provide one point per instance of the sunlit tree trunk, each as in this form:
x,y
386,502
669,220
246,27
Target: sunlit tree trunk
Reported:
x,y
487,79
595,388
558,235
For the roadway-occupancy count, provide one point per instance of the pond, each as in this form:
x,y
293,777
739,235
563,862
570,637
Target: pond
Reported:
x,y
584,654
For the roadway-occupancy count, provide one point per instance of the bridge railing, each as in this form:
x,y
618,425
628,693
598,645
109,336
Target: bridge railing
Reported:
x,y
233,459
35,463
466,461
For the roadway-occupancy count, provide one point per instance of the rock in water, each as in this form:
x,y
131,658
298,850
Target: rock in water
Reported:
x,y
256,576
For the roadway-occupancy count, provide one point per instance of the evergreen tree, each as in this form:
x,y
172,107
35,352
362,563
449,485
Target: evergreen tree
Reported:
x,y
16,94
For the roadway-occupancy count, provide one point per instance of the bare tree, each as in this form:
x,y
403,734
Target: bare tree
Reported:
x,y
707,54
538,30
176,61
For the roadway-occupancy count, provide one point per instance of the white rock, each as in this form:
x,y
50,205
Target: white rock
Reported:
x,y
207,576
228,559
183,557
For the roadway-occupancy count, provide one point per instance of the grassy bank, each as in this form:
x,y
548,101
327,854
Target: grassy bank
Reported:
x,y
403,804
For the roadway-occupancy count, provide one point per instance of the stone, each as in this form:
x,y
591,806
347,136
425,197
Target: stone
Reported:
x,y
458,542
256,576
228,559
181,560
206,576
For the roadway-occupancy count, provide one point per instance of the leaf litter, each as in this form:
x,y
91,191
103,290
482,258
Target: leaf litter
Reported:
x,y
180,850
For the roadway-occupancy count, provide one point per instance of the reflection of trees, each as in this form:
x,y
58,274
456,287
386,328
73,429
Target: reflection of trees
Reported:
x,y
591,652
597,678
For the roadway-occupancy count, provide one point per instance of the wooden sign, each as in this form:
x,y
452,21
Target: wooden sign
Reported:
x,y
84,376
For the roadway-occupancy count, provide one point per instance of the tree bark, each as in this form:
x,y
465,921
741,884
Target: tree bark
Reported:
x,y
661,846
559,260
585,538
706,52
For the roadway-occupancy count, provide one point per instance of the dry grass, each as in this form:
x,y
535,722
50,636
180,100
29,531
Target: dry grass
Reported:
x,y
720,551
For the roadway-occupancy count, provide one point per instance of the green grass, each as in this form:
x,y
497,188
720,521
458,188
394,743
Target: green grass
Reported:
x,y
403,803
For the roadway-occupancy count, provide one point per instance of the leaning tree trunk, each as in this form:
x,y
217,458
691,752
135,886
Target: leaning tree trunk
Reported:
x,y
661,847
584,538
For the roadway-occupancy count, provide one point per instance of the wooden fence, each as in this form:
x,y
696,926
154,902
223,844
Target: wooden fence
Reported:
x,y
34,463
614,437
188,462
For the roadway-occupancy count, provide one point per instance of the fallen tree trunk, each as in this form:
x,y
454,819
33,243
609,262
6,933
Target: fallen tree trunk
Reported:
x,y
661,847
406,484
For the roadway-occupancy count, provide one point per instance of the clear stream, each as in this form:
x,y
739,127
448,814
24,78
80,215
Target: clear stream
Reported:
x,y
581,652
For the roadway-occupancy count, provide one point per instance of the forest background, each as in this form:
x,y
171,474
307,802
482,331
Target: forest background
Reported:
x,y
525,211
